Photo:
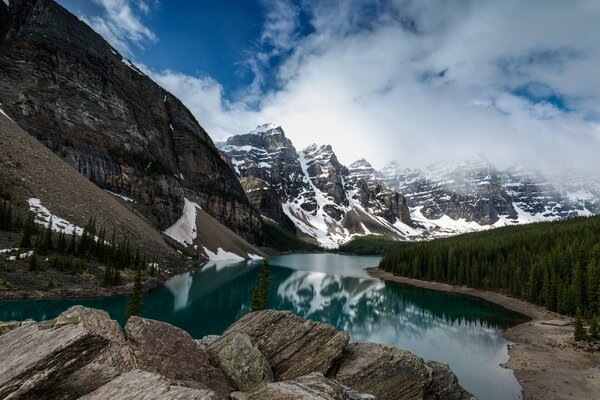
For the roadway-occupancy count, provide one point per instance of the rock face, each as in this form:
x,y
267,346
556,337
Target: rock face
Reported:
x,y
35,357
141,385
292,345
310,387
446,199
312,191
390,373
171,352
68,87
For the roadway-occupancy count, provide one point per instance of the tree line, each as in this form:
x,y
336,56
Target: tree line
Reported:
x,y
556,265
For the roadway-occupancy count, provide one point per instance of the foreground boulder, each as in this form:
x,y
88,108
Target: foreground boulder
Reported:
x,y
171,352
390,373
243,363
293,346
35,357
141,385
310,387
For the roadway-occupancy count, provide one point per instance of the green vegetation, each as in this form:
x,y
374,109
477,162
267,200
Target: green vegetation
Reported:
x,y
136,301
556,265
579,332
71,255
280,239
370,245
260,296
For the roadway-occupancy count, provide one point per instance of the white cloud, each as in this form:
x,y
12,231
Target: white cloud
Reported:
x,y
120,25
424,80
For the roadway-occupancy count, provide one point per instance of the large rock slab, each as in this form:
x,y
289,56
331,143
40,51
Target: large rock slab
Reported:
x,y
37,356
390,373
444,384
293,346
310,387
244,364
142,385
170,351
115,358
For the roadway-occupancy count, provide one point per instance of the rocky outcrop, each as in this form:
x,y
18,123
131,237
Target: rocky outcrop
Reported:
x,y
171,352
64,84
293,346
311,190
35,357
310,387
141,385
266,355
390,373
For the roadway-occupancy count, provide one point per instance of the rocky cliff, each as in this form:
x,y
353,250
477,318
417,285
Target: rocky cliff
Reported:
x,y
69,88
311,191
265,355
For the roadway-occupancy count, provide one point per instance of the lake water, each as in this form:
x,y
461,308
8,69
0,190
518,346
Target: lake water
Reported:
x,y
461,331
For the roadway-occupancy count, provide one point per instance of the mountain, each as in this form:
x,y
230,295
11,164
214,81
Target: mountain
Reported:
x,y
41,182
312,192
472,195
65,85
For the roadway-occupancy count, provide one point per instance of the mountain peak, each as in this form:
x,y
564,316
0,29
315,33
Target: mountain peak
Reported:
x,y
264,129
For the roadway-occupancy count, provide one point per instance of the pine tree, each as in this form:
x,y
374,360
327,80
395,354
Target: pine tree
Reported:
x,y
260,296
72,244
594,329
28,230
48,244
136,301
34,263
579,332
62,242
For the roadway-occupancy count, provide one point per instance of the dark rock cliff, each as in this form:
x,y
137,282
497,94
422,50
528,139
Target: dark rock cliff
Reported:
x,y
68,87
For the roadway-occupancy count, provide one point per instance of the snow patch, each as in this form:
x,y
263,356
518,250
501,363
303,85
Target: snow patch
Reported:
x,y
127,199
20,256
222,255
254,257
43,217
184,230
131,65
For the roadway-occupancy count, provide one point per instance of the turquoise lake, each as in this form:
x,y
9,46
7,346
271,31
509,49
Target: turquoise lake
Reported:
x,y
461,331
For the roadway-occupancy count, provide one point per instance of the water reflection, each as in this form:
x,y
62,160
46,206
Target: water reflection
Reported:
x,y
461,331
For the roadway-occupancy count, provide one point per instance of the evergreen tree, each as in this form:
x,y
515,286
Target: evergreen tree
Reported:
x,y
72,244
28,231
594,329
579,332
34,263
61,246
48,244
260,296
136,301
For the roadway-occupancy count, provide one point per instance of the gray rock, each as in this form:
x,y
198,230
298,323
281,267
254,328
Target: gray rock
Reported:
x,y
142,385
243,363
8,326
292,345
390,373
170,351
310,387
444,384
206,340
36,356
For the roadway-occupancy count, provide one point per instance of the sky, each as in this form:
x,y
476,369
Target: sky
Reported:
x,y
415,81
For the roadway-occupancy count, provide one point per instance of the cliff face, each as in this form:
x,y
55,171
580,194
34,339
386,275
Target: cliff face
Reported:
x,y
69,88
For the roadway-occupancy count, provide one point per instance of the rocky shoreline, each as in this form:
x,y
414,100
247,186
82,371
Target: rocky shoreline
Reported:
x,y
83,354
543,355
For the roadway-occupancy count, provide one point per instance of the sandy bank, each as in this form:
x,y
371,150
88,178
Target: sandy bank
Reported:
x,y
543,357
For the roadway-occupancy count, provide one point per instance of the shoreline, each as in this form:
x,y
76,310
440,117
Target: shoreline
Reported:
x,y
542,355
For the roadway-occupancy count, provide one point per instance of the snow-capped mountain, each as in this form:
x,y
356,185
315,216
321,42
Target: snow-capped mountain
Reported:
x,y
474,195
311,190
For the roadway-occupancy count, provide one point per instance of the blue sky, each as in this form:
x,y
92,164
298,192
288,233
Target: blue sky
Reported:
x,y
417,81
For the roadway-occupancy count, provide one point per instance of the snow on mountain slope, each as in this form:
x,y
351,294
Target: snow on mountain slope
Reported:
x,y
447,199
311,190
